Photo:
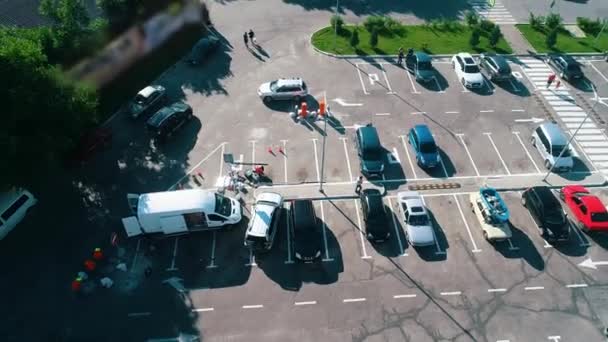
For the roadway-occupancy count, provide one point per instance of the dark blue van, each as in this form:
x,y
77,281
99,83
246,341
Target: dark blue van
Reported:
x,y
427,153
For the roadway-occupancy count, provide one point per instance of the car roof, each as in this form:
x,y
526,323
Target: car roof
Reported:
x,y
177,201
164,113
593,203
369,137
500,61
282,82
467,58
147,91
546,195
261,220
422,57
304,214
568,59
554,133
269,197
424,134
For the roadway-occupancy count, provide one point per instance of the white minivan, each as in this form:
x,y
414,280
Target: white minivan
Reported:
x,y
13,207
180,212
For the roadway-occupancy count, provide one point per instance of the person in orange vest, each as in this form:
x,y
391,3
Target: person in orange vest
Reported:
x,y
90,265
97,254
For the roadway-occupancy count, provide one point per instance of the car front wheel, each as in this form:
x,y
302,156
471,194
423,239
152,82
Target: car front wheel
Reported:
x,y
548,164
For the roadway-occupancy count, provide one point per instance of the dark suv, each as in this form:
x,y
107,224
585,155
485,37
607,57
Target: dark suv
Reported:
x,y
369,151
419,63
547,213
567,67
496,67
167,120
374,216
307,235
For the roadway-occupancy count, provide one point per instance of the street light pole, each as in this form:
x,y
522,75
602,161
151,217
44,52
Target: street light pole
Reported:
x,y
324,113
597,99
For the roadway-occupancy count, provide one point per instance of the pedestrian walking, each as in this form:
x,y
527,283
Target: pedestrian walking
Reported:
x,y
400,57
245,39
359,185
550,80
252,37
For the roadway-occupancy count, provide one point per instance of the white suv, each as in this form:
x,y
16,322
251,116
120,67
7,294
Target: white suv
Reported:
x,y
283,89
467,70
264,221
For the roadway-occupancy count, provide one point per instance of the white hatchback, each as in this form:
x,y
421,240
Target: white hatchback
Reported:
x,y
467,70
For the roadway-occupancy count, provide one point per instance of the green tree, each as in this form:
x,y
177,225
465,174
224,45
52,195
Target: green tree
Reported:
x,y
474,39
354,38
373,38
43,114
551,38
495,35
337,23
471,18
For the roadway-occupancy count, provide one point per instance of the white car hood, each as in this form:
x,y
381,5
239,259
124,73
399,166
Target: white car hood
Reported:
x,y
265,89
421,235
473,78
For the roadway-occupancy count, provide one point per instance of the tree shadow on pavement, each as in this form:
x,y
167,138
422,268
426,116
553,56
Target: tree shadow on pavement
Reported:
x,y
522,248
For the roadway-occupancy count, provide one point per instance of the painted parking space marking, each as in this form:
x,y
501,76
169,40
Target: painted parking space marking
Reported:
x,y
407,153
350,171
534,288
497,290
256,306
526,150
324,229
575,286
461,137
213,241
314,142
360,231
284,142
395,156
251,262
175,246
518,110
466,224
383,114
388,83
438,250
441,90
452,293
396,226
312,302
353,300
203,310
414,91
452,112
487,111
598,71
289,253
504,165
404,296
361,79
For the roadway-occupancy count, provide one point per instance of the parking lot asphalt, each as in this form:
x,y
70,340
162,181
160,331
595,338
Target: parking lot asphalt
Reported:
x,y
462,288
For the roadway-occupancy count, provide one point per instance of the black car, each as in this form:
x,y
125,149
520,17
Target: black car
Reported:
x,y
307,234
495,67
167,120
369,150
547,213
374,215
567,67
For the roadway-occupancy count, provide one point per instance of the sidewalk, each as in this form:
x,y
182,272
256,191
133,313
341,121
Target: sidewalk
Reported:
x,y
518,43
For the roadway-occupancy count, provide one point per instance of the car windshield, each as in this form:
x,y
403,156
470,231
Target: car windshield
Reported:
x,y
419,220
599,217
471,69
140,99
428,148
555,217
574,68
424,66
273,86
371,154
223,205
557,149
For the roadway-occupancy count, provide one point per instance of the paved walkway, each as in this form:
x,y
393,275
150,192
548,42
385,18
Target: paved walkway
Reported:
x,y
518,43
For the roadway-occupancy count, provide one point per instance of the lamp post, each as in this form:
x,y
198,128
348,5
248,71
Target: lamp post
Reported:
x,y
597,99
323,111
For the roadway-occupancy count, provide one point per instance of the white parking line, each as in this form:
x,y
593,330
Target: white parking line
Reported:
x,y
554,338
388,83
418,113
360,229
466,224
438,251
404,296
285,158
581,239
518,110
251,262
221,162
289,259
453,293
198,164
574,286
401,250
441,90
546,245
487,111
511,247
361,79
312,302
134,262
460,136
175,245
396,155
412,83
212,263
534,288
350,171
202,310
314,142
515,88
497,290
503,341
257,306
599,72
383,114
452,112
327,258
353,300
489,135
252,151
527,152
488,84
407,153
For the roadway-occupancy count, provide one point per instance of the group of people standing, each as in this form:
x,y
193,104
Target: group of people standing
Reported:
x,y
249,36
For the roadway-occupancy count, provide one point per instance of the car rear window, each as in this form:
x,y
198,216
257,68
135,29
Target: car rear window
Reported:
x,y
10,211
428,148
599,217
574,67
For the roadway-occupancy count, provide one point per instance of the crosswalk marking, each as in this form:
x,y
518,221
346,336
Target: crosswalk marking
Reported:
x,y
591,140
496,13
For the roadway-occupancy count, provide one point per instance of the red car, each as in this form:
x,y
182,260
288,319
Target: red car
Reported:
x,y
591,214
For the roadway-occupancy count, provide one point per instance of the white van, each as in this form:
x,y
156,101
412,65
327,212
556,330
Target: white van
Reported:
x,y
13,207
180,212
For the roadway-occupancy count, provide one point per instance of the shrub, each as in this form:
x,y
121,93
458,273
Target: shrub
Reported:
x,y
486,25
474,40
495,35
435,24
373,38
374,22
337,23
551,38
391,25
471,18
591,27
553,21
354,38
536,21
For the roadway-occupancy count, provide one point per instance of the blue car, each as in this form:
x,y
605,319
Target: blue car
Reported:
x,y
427,153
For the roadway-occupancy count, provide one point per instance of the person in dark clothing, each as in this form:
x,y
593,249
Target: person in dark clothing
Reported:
x,y
400,57
245,39
252,37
